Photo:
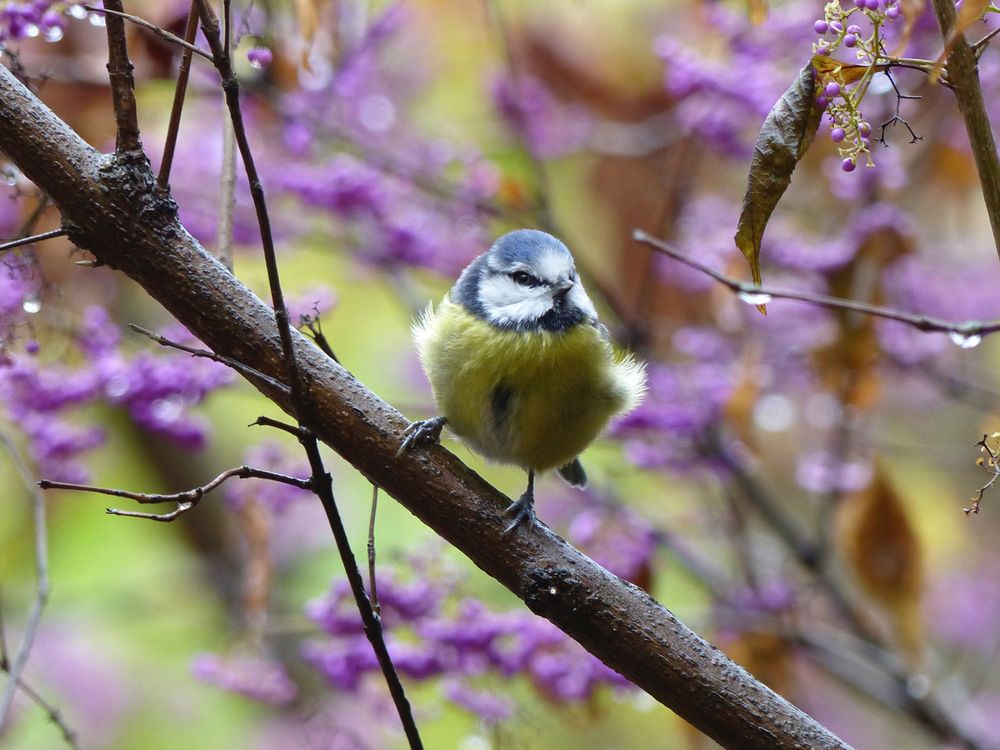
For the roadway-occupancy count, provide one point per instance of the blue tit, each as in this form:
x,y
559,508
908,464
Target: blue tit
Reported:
x,y
521,369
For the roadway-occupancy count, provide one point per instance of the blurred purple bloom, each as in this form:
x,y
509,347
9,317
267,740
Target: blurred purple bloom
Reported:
x,y
257,678
275,496
489,707
431,634
548,128
821,472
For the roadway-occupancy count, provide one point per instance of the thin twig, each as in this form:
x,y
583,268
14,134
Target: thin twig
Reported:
x,y
122,82
323,487
294,430
241,368
321,481
34,238
371,553
158,30
180,91
965,332
990,466
230,85
16,667
186,500
981,45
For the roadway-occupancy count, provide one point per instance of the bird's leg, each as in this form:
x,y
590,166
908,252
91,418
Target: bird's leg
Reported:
x,y
422,432
523,509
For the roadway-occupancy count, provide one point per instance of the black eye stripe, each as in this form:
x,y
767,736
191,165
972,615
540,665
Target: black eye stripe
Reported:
x,y
524,279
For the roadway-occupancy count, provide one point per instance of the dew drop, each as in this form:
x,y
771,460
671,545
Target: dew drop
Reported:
x,y
965,340
53,34
96,19
77,11
754,298
31,305
32,30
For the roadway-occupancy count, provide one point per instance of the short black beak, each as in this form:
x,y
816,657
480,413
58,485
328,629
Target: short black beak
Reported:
x,y
561,288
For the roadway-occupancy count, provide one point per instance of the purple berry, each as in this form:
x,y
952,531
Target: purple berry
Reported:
x,y
823,49
860,4
832,90
837,135
848,165
850,40
854,29
821,27
871,4
260,57
821,102
865,129
892,11
837,26
32,347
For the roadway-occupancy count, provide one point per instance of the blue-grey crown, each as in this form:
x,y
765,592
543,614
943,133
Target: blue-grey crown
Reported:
x,y
522,245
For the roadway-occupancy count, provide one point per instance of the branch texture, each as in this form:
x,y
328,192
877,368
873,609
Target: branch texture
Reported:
x,y
110,206
963,75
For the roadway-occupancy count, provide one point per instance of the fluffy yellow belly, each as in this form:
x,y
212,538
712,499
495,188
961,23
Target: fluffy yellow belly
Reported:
x,y
535,399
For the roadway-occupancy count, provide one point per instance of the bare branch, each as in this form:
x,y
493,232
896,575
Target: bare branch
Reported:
x,y
33,239
965,333
180,91
158,30
246,371
963,77
186,500
122,83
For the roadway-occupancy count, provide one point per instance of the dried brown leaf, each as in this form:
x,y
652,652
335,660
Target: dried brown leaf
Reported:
x,y
884,552
784,138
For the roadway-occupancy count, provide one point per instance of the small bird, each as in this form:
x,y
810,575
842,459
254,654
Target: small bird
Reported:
x,y
520,367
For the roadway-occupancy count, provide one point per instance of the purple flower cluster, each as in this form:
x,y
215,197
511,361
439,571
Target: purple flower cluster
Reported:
x,y
44,397
432,633
685,401
24,19
715,100
259,678
394,195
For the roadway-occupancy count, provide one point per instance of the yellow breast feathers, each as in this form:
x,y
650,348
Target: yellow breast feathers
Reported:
x,y
531,398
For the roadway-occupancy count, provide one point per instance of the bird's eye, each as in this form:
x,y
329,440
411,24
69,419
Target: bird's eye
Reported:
x,y
524,279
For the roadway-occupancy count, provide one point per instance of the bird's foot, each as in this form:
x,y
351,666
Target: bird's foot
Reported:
x,y
422,432
522,509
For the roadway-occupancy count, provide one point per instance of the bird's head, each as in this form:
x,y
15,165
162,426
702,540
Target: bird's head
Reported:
x,y
526,281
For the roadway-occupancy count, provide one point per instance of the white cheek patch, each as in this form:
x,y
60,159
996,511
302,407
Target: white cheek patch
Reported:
x,y
578,298
505,301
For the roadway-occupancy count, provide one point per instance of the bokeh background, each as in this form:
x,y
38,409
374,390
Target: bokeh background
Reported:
x,y
793,487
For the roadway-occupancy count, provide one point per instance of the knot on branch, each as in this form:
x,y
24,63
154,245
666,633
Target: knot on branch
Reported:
x,y
547,591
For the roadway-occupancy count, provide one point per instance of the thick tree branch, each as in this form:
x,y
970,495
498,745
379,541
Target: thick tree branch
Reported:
x,y
114,211
963,77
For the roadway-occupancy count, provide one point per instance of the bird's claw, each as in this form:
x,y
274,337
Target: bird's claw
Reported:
x,y
522,509
422,432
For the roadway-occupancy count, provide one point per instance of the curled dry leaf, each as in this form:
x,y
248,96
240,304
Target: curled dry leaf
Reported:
x,y
784,138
